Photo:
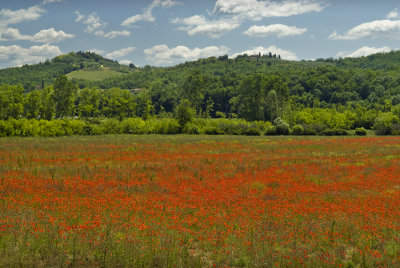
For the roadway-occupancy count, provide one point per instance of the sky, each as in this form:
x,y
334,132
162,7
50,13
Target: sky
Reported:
x,y
168,32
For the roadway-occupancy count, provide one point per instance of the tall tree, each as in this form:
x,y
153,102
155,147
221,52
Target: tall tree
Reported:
x,y
261,97
11,101
48,107
193,89
64,91
88,102
32,104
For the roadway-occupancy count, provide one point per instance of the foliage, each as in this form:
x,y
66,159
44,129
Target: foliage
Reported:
x,y
282,128
297,130
332,94
63,95
361,131
185,113
384,123
334,132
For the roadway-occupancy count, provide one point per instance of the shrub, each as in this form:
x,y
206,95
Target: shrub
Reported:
x,y
252,132
396,129
334,132
165,126
133,126
297,130
213,131
361,131
111,126
313,129
282,128
384,123
6,128
191,128
51,128
270,131
74,127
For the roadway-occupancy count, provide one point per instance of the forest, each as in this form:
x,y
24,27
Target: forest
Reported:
x,y
249,94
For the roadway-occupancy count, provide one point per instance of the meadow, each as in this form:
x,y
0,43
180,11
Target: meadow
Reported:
x,y
200,201
94,75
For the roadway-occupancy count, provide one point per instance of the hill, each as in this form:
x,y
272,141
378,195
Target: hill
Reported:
x,y
334,93
86,65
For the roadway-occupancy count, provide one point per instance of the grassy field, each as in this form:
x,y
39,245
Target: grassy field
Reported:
x,y
200,201
94,75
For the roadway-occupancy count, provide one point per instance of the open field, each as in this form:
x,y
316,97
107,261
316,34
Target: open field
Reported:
x,y
94,75
199,201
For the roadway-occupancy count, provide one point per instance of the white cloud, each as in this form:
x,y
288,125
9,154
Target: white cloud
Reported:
x,y
364,51
236,11
12,34
147,14
79,16
50,36
374,29
51,1
95,25
120,53
256,10
114,34
44,36
394,14
280,30
8,16
162,54
198,24
285,54
17,55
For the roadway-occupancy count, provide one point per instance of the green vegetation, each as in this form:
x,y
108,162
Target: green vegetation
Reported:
x,y
43,74
98,75
327,97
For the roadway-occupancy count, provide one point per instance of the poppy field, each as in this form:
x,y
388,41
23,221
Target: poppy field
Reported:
x,y
200,201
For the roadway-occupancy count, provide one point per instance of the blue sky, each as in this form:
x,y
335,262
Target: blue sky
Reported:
x,y
167,32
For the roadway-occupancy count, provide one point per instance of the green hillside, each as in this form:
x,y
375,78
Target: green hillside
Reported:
x,y
94,75
326,93
38,75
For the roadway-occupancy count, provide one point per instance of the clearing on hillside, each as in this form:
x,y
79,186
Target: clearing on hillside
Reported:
x,y
94,75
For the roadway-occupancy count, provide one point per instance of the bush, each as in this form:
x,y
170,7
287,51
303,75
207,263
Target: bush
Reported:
x,y
191,128
334,132
213,131
282,128
162,126
270,131
297,130
384,123
133,126
51,128
361,131
313,129
6,128
111,126
396,129
74,127
252,132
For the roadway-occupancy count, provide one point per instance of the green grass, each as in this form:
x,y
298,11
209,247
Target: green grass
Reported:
x,y
94,75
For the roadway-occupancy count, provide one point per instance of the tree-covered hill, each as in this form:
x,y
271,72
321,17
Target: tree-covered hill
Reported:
x,y
39,75
344,93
